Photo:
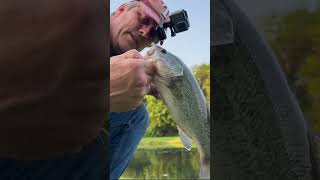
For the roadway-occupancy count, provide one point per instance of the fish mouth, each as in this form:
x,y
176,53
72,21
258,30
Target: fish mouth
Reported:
x,y
157,72
162,75
163,69
156,63
151,51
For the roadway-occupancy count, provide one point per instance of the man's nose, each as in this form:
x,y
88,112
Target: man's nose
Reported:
x,y
146,30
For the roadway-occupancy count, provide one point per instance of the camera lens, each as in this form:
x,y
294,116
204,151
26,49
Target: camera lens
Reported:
x,y
182,26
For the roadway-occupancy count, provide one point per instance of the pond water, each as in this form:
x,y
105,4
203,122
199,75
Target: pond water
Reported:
x,y
163,164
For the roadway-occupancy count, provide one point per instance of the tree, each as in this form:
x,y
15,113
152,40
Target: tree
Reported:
x,y
295,39
161,123
202,74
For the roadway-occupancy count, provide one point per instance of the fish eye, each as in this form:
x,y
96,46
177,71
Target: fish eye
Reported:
x,y
163,51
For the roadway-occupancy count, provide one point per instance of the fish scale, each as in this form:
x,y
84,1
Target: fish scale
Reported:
x,y
185,102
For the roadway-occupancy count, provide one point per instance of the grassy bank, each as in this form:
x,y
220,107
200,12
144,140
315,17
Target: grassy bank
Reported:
x,y
161,143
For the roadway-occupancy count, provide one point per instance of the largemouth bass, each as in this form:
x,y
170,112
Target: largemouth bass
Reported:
x,y
259,131
185,101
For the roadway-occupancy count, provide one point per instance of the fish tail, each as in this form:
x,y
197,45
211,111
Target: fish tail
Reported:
x,y
204,170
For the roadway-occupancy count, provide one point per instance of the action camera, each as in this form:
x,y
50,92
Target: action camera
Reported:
x,y
178,23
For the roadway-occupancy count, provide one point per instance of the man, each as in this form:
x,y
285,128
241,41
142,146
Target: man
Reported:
x,y
132,28
53,56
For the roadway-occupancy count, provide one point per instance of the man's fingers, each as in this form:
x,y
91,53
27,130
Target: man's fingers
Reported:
x,y
149,66
134,54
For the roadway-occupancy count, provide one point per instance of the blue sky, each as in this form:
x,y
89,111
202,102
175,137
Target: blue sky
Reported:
x,y
192,46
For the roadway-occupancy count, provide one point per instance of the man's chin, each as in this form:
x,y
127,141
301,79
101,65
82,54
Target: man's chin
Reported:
x,y
128,47
122,49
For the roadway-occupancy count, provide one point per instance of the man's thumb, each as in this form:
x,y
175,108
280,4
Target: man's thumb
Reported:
x,y
132,54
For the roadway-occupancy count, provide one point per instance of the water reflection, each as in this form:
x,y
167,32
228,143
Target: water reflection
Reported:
x,y
164,164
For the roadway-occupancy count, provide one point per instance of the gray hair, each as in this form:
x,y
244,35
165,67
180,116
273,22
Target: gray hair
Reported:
x,y
130,5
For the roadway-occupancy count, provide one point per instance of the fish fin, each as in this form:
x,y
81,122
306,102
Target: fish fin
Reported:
x,y
204,170
186,140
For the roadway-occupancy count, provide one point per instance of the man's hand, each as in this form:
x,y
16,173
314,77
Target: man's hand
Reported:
x,y
130,80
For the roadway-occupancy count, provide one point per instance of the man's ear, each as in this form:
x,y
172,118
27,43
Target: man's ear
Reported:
x,y
120,10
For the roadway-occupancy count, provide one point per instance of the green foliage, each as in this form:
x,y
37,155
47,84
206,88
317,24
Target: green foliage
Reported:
x,y
202,74
174,142
295,38
161,123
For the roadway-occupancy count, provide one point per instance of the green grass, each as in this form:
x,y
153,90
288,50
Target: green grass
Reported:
x,y
161,143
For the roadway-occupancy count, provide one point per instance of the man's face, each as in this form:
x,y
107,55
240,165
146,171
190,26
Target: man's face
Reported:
x,y
131,29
